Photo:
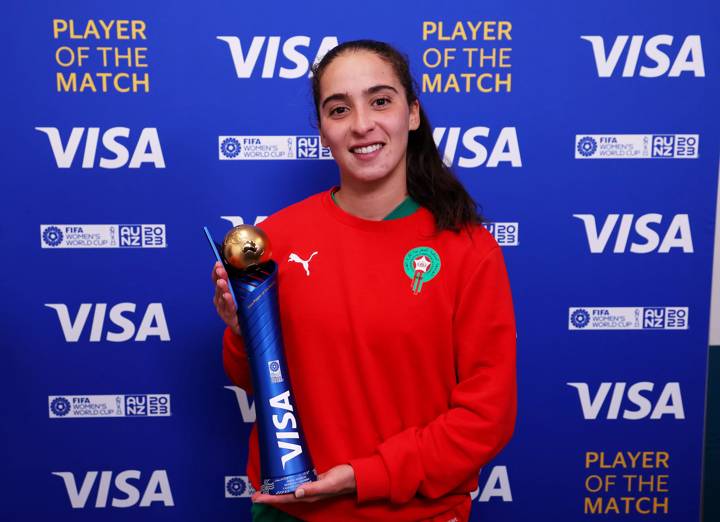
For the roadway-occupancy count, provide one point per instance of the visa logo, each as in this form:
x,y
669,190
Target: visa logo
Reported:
x,y
689,58
294,58
643,402
474,153
153,323
675,235
115,151
125,494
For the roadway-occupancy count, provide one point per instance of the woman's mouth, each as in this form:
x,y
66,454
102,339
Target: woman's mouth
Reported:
x,y
367,149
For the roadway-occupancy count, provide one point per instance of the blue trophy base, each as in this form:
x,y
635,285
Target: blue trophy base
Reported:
x,y
288,483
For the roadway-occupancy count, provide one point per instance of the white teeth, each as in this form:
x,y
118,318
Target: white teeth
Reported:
x,y
368,149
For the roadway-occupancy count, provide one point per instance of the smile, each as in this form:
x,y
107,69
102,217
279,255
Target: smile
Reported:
x,y
366,149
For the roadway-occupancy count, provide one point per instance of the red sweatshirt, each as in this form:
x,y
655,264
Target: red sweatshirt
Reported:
x,y
400,344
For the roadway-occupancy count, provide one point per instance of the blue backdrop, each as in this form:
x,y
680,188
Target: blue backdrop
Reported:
x,y
588,133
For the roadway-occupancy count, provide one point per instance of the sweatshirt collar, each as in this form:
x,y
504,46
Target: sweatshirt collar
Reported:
x,y
420,216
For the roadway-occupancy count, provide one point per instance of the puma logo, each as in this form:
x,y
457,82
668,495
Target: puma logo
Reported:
x,y
297,259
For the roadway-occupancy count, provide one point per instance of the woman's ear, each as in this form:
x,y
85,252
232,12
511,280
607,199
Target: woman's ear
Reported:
x,y
414,120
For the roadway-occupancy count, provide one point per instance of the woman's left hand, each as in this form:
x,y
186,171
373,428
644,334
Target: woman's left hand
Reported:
x,y
339,480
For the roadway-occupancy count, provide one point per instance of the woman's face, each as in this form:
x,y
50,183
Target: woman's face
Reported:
x,y
365,117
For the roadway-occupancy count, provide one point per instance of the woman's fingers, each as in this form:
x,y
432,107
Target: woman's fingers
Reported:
x,y
214,274
230,303
223,300
224,296
219,272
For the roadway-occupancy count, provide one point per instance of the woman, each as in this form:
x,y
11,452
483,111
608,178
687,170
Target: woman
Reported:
x,y
396,312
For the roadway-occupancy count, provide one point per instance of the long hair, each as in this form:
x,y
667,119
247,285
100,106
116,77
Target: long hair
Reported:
x,y
429,181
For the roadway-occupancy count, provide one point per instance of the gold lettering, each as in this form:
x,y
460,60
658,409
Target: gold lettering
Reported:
x,y
62,50
426,57
665,504
145,82
104,51
452,83
504,60
69,85
138,29
90,29
87,83
504,28
119,56
611,506
427,85
100,29
489,31
59,26
122,29
459,32
106,27
474,29
593,507
428,29
140,57
507,82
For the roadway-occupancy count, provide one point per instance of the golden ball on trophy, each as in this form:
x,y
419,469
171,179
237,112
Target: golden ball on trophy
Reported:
x,y
245,246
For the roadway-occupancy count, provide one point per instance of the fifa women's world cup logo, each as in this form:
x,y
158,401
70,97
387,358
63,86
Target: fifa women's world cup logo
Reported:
x,y
285,461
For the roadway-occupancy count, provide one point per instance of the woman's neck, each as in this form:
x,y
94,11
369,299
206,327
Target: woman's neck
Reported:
x,y
371,200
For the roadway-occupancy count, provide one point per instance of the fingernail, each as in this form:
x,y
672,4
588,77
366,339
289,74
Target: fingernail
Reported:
x,y
299,493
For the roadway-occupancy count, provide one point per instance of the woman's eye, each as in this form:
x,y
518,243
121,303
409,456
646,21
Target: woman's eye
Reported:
x,y
381,102
336,111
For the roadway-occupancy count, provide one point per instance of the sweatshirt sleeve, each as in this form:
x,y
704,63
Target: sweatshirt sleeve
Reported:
x,y
434,459
235,361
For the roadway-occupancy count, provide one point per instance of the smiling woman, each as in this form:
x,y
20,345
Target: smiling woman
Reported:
x,y
396,313
365,120
363,90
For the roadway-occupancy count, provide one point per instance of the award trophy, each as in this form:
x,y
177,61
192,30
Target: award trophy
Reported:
x,y
285,461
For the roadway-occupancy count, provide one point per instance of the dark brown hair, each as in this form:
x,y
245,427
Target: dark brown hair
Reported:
x,y
429,181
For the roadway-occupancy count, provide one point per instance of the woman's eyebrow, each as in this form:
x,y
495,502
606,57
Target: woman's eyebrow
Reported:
x,y
376,88
369,90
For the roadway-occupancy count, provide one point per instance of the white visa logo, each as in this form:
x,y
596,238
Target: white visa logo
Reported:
x,y
147,149
245,63
238,220
506,148
247,407
668,403
677,234
689,58
497,485
153,323
282,401
156,490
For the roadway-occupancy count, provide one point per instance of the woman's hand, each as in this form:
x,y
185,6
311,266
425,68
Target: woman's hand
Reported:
x,y
223,300
339,480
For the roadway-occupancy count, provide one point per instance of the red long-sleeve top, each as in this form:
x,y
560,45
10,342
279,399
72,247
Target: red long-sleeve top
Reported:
x,y
416,391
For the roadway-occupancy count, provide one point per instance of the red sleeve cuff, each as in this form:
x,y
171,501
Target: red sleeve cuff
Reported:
x,y
371,478
235,360
233,344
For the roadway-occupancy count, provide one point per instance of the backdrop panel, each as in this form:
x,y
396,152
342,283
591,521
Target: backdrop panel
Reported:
x,y
588,133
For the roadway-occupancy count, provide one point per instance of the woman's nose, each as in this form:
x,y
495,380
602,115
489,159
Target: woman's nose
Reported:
x,y
363,121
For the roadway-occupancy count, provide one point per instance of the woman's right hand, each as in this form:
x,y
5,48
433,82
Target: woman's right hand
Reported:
x,y
223,301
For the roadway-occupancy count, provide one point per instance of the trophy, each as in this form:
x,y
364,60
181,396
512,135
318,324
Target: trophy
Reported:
x,y
285,461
